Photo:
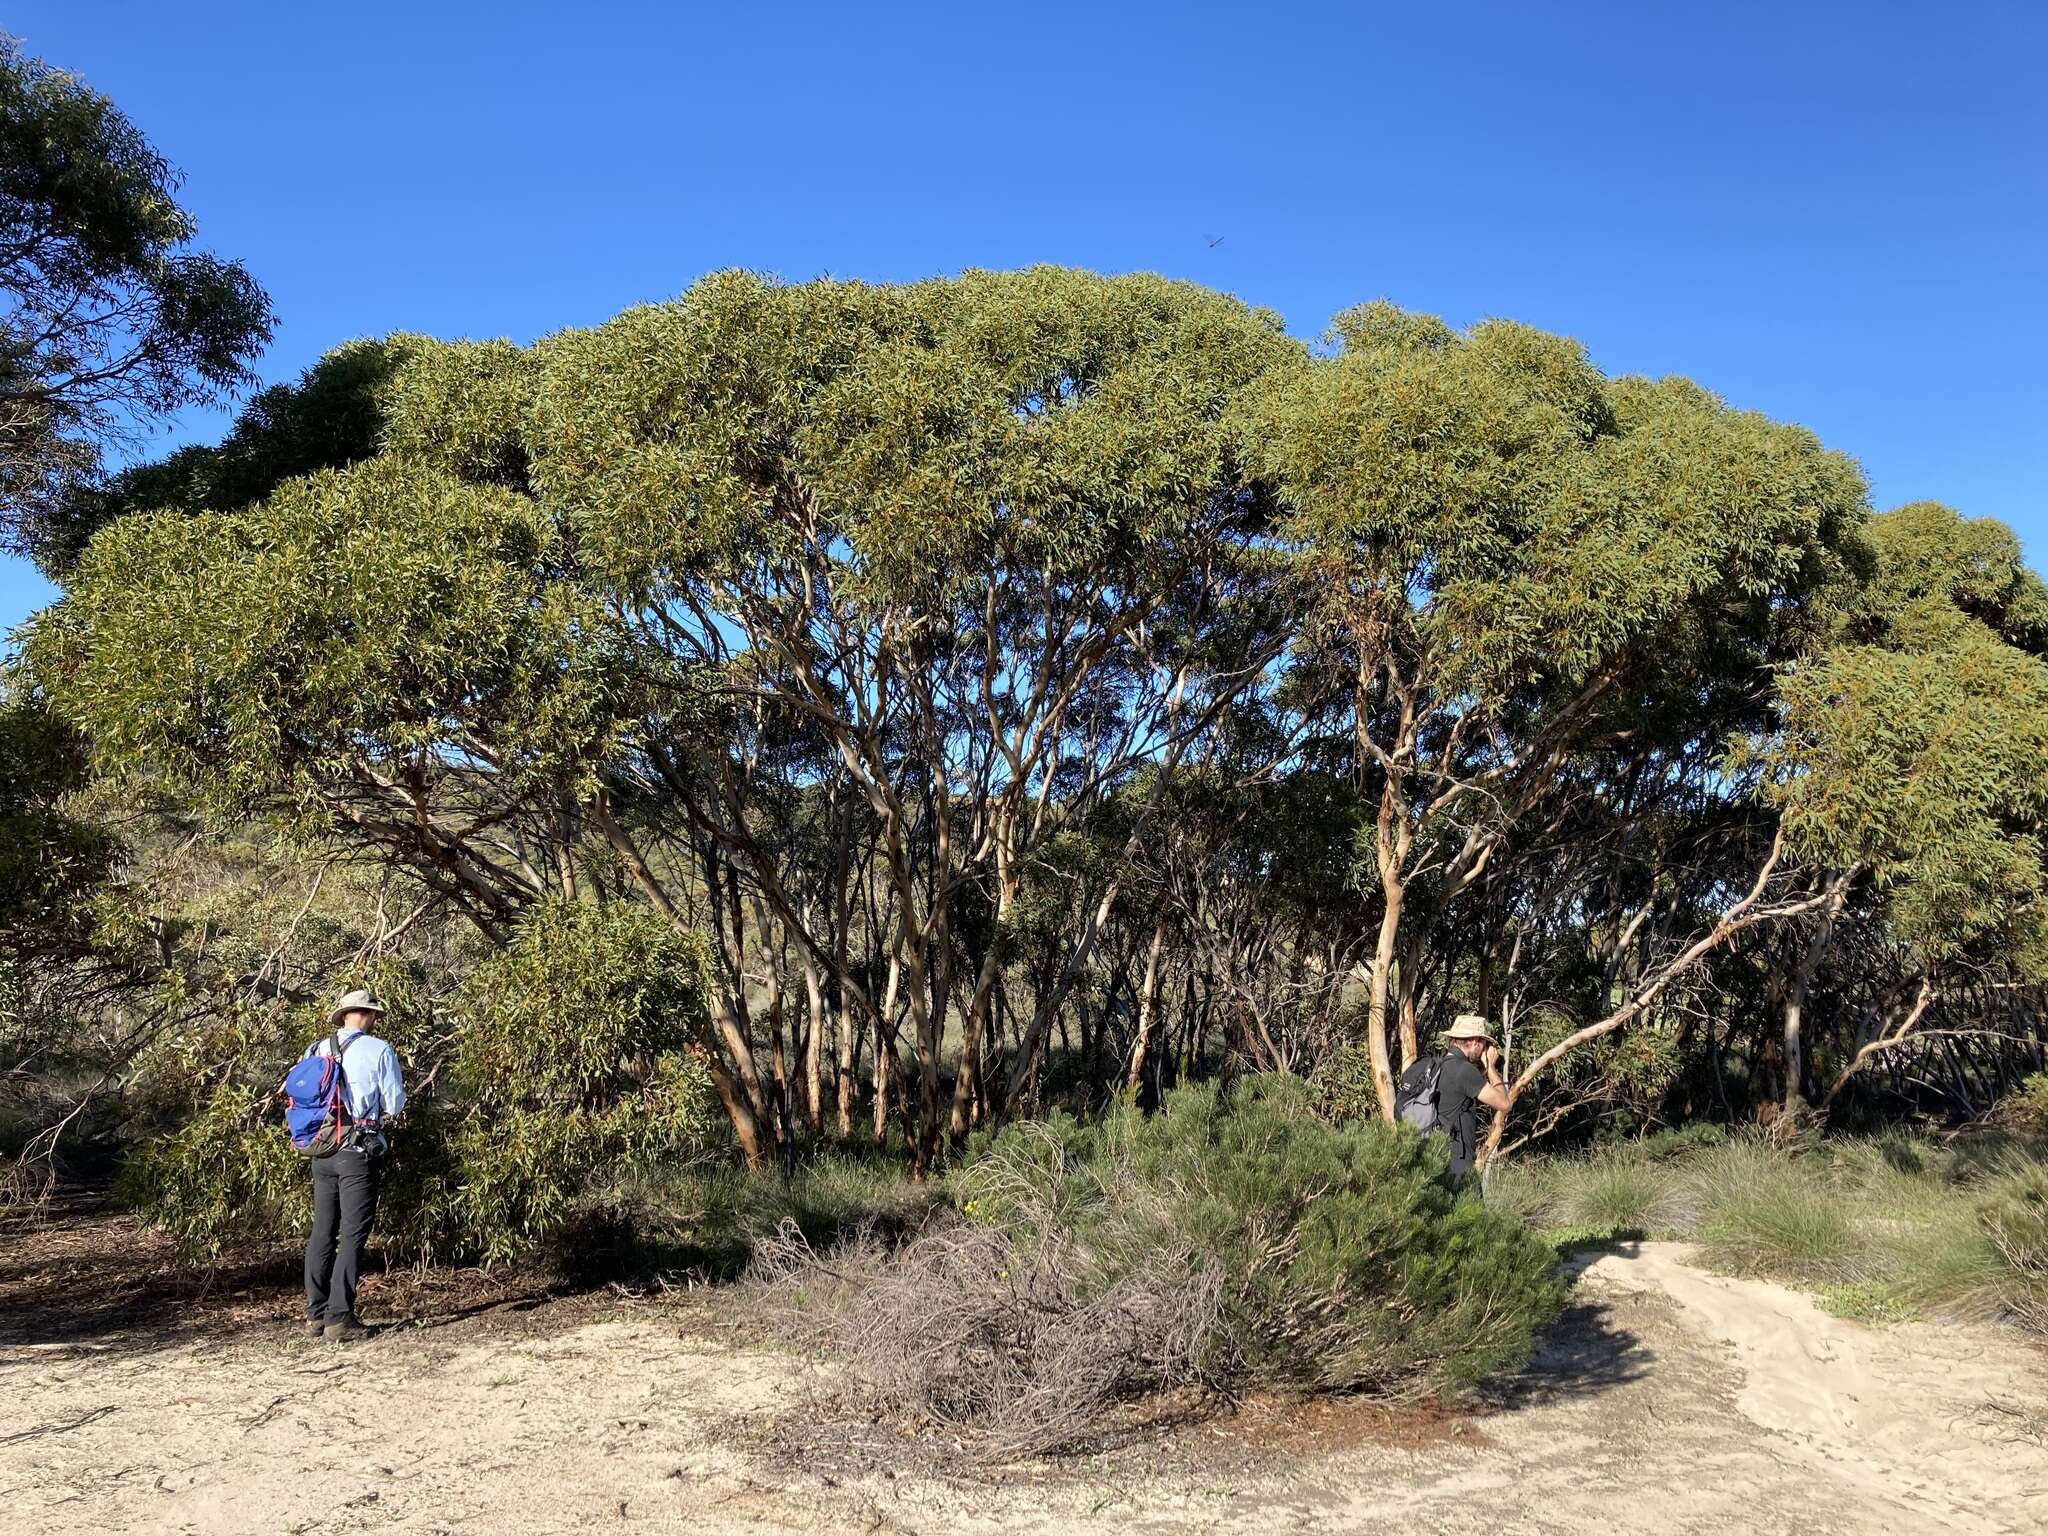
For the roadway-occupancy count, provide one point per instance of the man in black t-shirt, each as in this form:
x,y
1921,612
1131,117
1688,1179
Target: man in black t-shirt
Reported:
x,y
1471,1075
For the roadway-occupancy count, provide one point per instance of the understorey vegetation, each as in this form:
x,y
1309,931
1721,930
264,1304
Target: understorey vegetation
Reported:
x,y
1233,1242
1884,1228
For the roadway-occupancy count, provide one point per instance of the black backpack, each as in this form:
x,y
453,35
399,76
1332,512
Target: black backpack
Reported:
x,y
1417,1101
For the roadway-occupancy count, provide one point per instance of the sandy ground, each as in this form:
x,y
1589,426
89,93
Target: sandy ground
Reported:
x,y
1665,1400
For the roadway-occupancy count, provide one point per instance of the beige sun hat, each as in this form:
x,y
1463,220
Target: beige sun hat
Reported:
x,y
360,998
1471,1026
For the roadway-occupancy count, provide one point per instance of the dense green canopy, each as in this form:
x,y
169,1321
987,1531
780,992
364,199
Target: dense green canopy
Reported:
x,y
1034,684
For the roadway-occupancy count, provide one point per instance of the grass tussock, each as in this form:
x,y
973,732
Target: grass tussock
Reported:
x,y
1882,1229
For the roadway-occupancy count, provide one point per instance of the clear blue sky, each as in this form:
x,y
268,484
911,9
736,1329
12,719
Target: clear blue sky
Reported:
x,y
1833,213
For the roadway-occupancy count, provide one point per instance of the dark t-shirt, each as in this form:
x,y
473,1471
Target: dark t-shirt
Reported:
x,y
1456,1090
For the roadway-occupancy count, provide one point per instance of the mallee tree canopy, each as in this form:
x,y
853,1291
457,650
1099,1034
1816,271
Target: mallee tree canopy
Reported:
x,y
1033,683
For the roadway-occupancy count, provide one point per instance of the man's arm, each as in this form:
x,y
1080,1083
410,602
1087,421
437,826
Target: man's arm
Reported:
x,y
1495,1094
390,1082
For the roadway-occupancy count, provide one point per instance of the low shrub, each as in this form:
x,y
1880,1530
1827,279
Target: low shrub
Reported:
x,y
1622,1195
566,1066
1223,1244
2014,1217
2025,1110
1613,1192
710,1219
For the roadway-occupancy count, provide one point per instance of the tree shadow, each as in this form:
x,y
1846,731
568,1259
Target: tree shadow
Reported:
x,y
78,1272
80,1275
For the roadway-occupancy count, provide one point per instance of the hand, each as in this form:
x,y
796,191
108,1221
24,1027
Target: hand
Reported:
x,y
1491,1060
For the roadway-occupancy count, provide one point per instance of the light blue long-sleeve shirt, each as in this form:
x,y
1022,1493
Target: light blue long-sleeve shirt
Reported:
x,y
376,1081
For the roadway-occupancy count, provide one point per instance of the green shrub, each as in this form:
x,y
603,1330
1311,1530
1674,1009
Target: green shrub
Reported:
x,y
1342,1259
1621,1194
567,1067
1876,1302
1223,1244
2025,1109
1621,1190
1342,1084
219,1178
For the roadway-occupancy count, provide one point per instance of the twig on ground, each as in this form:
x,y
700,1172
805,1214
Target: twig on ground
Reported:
x,y
269,1412
57,1429
2027,1426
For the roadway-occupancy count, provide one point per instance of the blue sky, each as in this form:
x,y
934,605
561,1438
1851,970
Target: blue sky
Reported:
x,y
1835,214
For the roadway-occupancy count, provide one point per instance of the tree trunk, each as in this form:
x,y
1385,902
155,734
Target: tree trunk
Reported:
x,y
1379,980
814,1042
1148,1004
1795,1001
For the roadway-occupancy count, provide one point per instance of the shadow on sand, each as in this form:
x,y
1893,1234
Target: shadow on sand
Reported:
x,y
80,1274
1582,1354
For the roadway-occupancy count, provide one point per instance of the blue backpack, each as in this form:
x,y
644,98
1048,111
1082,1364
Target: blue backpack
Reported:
x,y
316,1101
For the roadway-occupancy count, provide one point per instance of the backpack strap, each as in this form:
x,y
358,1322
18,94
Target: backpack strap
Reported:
x,y
338,1046
1433,1084
335,1050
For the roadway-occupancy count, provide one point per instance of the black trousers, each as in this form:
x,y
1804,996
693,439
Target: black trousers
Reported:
x,y
344,1205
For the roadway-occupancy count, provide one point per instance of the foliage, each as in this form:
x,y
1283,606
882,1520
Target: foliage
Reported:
x,y
1343,1260
1039,686
565,1066
1914,746
109,316
52,863
1526,577
330,418
1222,1244
2025,1109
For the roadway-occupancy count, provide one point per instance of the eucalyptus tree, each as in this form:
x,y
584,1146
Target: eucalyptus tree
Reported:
x,y
1914,750
108,318
966,553
1520,564
988,539
972,657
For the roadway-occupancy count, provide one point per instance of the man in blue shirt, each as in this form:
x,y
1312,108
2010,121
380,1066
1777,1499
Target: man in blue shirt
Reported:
x,y
345,1181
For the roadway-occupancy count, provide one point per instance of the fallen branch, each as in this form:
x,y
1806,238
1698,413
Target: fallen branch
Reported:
x,y
1744,915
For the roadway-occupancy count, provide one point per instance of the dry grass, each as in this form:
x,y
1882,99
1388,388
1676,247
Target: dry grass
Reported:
x,y
1020,1351
1216,1250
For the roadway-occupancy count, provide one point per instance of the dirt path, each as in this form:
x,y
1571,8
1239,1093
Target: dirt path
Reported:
x,y
1666,1399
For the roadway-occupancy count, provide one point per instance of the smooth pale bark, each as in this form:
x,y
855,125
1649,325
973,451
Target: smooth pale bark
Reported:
x,y
1745,914
1392,851
1148,1004
1795,1001
885,1051
1889,1039
814,1042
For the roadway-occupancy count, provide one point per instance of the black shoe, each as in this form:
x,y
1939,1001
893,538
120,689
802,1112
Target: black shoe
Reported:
x,y
314,1326
344,1330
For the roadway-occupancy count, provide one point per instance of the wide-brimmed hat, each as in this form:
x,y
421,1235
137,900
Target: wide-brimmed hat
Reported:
x,y
360,998
1471,1026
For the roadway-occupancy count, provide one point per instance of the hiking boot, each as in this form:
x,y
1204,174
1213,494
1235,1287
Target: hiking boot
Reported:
x,y
347,1328
314,1327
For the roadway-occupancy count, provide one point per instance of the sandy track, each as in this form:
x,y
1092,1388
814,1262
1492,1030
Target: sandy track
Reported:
x,y
1665,1400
